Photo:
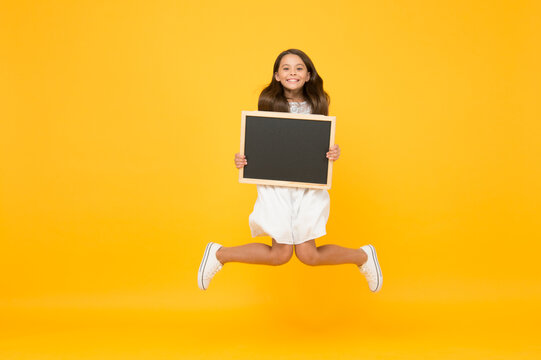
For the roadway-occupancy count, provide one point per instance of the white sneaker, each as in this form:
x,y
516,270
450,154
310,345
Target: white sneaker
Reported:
x,y
371,270
209,266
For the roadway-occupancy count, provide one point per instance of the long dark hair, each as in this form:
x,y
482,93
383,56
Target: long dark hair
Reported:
x,y
272,98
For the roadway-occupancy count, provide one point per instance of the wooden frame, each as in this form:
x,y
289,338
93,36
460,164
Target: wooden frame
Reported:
x,y
251,115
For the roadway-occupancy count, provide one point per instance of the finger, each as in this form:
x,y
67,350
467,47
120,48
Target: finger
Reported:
x,y
334,155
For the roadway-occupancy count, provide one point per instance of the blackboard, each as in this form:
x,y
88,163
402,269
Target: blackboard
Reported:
x,y
286,149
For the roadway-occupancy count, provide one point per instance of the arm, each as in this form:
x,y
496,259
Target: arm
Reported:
x,y
334,153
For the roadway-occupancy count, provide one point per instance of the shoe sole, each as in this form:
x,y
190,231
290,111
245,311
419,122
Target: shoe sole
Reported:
x,y
202,266
378,268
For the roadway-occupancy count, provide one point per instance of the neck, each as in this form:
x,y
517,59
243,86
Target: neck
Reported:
x,y
294,96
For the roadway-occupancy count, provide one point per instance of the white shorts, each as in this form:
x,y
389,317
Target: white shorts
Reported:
x,y
290,215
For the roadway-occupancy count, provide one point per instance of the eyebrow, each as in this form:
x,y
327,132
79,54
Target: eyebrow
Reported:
x,y
295,65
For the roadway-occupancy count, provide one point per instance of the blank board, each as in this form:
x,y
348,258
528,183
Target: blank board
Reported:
x,y
286,149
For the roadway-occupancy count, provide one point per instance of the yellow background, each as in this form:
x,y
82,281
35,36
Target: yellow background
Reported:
x,y
119,122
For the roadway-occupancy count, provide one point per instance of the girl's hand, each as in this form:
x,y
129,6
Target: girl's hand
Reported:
x,y
334,153
240,161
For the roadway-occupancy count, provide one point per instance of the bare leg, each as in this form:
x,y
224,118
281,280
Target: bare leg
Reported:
x,y
256,253
309,254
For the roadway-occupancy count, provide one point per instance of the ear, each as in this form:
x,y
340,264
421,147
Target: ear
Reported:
x,y
309,77
276,76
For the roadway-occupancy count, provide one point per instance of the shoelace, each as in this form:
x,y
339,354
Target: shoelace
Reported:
x,y
212,273
370,275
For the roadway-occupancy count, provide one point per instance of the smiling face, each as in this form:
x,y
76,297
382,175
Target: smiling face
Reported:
x,y
292,74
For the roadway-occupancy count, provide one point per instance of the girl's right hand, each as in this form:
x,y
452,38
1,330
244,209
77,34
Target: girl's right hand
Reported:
x,y
240,161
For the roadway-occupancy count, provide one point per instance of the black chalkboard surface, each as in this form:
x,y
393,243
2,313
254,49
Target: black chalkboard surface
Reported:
x,y
286,149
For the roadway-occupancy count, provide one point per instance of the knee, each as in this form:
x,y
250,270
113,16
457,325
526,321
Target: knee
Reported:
x,y
281,255
307,255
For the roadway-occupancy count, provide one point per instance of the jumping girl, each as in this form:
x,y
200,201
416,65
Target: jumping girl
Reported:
x,y
292,217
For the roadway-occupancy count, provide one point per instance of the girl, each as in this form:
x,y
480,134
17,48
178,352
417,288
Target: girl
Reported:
x,y
293,217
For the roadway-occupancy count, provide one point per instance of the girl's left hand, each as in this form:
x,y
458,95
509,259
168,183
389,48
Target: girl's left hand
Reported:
x,y
333,153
